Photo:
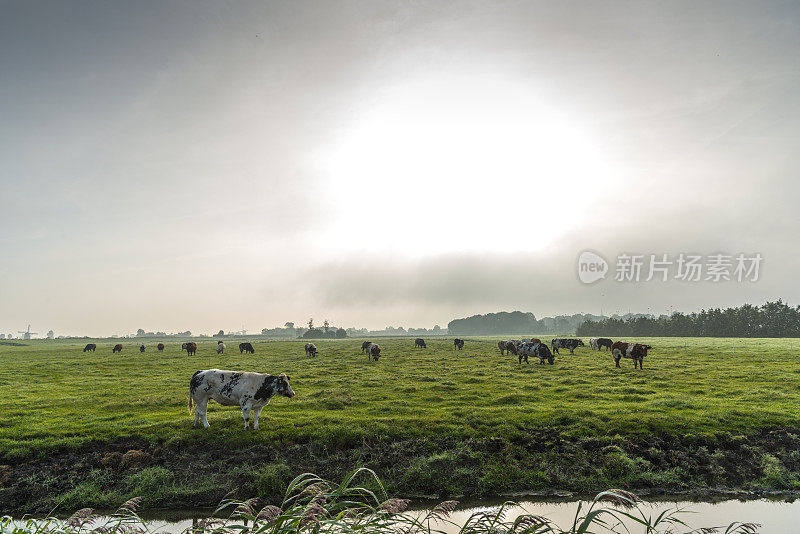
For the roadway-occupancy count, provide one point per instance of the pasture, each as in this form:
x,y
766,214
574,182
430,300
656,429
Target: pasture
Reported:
x,y
434,421
52,395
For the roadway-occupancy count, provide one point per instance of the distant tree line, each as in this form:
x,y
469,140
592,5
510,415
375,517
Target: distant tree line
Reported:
x,y
518,322
773,319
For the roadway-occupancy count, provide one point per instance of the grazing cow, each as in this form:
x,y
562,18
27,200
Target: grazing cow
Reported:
x,y
604,342
593,343
571,344
190,348
458,343
90,347
246,347
311,350
508,346
364,346
141,347
117,348
220,347
538,350
251,391
160,347
374,352
420,343
634,351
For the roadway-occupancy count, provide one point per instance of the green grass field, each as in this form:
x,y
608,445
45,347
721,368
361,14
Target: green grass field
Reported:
x,y
430,421
54,395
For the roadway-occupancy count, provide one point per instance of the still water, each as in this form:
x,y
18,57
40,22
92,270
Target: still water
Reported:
x,y
775,516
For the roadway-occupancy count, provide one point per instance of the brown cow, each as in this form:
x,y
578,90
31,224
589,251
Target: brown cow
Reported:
x,y
160,347
508,346
190,348
117,348
634,351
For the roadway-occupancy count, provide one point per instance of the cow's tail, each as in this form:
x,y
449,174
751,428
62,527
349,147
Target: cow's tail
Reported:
x,y
190,402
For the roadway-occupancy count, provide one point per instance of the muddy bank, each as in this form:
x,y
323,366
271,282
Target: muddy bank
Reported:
x,y
542,463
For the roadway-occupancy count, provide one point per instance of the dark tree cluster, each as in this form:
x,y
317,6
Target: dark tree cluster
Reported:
x,y
773,319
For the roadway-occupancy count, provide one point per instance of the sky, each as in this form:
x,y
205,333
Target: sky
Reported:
x,y
217,165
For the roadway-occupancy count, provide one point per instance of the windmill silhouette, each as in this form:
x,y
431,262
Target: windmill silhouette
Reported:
x,y
28,333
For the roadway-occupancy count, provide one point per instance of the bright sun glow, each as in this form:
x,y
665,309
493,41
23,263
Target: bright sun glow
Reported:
x,y
450,165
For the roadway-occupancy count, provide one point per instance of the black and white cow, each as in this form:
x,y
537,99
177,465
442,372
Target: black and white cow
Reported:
x,y
246,347
373,352
91,347
562,343
537,350
604,342
221,347
458,343
593,343
311,350
634,351
251,391
364,346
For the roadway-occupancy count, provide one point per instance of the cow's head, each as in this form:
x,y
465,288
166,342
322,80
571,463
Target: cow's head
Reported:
x,y
284,388
646,348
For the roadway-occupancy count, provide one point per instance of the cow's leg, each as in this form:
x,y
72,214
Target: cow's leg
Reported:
x,y
202,407
617,360
246,415
256,413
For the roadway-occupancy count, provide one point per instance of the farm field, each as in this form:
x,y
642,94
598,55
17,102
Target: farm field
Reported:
x,y
578,424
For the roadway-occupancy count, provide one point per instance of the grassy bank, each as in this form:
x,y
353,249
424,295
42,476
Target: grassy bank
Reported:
x,y
430,421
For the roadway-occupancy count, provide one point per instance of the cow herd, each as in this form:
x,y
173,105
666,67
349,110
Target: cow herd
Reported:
x,y
520,348
190,348
253,391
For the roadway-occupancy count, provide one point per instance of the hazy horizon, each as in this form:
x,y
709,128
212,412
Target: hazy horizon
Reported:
x,y
201,166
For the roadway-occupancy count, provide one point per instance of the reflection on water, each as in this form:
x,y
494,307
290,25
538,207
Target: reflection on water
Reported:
x,y
776,517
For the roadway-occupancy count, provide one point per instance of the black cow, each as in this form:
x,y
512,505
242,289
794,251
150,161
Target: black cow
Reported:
x,y
571,344
246,347
90,347
160,347
458,343
117,348
141,347
604,342
419,342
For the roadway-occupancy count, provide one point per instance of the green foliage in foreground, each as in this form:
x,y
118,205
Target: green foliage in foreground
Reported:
x,y
314,505
55,397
